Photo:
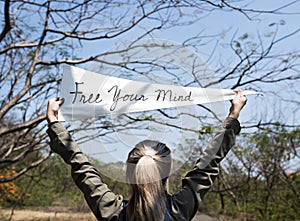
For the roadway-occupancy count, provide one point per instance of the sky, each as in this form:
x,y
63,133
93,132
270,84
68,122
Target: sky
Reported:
x,y
228,24
222,21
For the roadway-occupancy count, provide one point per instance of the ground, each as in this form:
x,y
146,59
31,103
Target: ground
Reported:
x,y
40,215
52,215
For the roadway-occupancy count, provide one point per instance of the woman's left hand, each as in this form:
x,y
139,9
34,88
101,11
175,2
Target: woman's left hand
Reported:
x,y
52,109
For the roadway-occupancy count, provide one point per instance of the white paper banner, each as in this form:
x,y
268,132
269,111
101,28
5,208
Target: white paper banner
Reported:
x,y
88,94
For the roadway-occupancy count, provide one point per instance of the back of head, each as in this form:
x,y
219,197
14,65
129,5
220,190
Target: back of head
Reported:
x,y
148,167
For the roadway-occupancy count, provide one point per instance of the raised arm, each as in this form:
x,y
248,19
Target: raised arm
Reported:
x,y
103,202
198,181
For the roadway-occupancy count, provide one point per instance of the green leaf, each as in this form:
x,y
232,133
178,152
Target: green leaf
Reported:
x,y
244,36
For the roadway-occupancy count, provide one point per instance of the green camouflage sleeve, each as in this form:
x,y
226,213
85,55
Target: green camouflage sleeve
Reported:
x,y
103,202
199,180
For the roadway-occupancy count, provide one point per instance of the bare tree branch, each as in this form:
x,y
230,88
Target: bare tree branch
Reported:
x,y
7,25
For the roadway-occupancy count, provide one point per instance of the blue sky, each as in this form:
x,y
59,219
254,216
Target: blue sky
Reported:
x,y
228,24
222,22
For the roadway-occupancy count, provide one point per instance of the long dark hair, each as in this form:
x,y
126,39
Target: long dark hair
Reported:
x,y
148,168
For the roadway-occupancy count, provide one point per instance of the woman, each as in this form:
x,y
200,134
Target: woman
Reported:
x,y
148,167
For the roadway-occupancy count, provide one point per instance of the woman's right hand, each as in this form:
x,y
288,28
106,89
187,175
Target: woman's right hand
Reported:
x,y
237,104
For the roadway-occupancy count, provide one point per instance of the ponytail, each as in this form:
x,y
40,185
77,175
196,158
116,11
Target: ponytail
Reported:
x,y
148,167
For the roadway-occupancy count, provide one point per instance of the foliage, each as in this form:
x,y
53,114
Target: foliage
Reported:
x,y
49,185
255,183
10,192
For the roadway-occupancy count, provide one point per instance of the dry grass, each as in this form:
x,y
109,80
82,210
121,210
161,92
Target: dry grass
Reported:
x,y
63,214
36,215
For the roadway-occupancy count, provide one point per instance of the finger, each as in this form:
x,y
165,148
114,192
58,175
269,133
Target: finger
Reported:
x,y
61,101
57,99
237,92
240,93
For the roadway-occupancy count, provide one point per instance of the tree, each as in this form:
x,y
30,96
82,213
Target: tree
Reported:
x,y
255,184
38,36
